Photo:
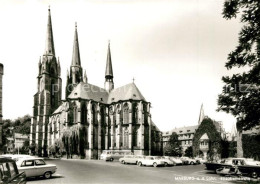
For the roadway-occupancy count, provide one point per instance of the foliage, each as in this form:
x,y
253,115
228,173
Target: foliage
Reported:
x,y
173,147
251,146
189,152
207,126
241,95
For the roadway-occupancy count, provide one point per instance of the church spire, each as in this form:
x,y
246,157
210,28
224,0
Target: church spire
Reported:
x,y
109,84
49,47
75,68
109,70
201,117
75,55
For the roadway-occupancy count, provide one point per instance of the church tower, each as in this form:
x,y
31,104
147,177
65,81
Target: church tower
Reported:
x,y
48,96
109,84
75,76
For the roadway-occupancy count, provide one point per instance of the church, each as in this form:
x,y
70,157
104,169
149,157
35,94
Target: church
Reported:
x,y
90,119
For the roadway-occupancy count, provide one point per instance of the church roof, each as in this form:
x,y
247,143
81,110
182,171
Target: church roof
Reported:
x,y
92,92
127,92
89,92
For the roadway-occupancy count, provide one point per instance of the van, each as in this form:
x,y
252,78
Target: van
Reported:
x,y
111,155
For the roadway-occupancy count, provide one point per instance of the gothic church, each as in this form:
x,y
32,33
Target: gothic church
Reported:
x,y
90,119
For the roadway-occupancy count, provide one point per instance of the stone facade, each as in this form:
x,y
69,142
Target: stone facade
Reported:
x,y
91,119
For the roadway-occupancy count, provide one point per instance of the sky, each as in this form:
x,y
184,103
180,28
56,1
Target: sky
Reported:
x,y
175,50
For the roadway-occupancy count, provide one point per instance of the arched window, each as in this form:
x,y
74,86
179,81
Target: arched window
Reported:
x,y
75,113
83,114
126,138
135,137
126,114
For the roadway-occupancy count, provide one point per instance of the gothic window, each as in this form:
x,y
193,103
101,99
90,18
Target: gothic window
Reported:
x,y
136,115
53,91
126,139
75,114
135,137
83,114
126,114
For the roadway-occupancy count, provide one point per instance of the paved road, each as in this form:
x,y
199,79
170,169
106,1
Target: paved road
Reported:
x,y
97,171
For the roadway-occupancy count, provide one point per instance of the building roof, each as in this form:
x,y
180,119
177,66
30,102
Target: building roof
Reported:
x,y
182,130
89,92
127,92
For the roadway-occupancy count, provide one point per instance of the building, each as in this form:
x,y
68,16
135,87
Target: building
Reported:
x,y
187,134
19,140
91,119
1,106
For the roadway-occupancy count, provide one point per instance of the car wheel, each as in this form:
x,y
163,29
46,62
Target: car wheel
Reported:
x,y
154,164
111,159
165,164
254,174
47,175
123,162
191,163
139,164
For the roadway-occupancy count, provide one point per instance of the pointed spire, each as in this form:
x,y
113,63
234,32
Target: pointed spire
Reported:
x,y
85,78
49,47
68,74
75,54
109,70
201,117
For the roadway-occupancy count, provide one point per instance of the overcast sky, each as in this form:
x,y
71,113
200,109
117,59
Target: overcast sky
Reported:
x,y
176,51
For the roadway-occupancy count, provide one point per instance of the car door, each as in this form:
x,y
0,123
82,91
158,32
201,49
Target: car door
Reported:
x,y
40,167
27,166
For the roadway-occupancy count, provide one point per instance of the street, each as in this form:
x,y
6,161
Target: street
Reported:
x,y
98,171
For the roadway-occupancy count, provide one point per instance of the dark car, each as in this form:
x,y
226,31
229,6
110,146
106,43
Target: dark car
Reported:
x,y
9,173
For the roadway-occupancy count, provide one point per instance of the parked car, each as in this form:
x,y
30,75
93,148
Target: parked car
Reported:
x,y
200,160
150,161
213,166
167,161
190,161
176,160
34,167
9,173
111,155
130,159
239,166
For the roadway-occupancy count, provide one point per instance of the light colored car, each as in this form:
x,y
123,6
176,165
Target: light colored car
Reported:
x,y
150,161
36,167
176,160
130,159
167,161
111,155
190,160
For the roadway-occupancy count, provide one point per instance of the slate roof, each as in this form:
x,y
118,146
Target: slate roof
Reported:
x,y
182,130
89,92
127,92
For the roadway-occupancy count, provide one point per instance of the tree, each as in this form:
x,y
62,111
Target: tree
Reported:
x,y
241,95
189,152
173,147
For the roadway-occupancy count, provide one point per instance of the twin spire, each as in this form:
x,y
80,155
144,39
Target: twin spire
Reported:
x,y
76,63
76,55
49,45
